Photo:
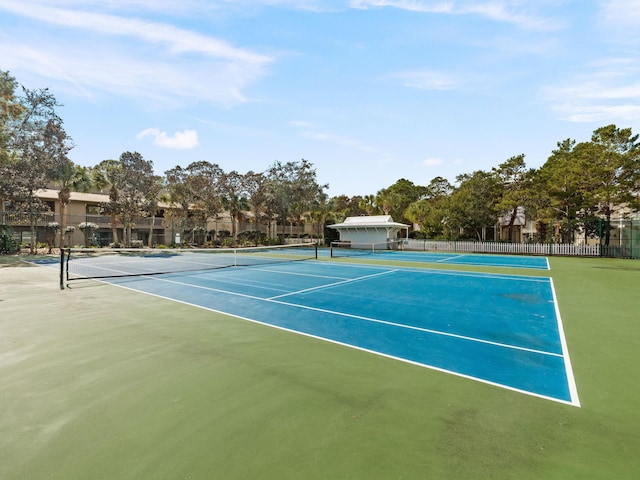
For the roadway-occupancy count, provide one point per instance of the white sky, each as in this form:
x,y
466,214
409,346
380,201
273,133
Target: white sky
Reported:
x,y
369,91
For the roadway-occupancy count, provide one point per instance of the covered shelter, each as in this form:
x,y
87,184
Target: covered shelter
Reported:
x,y
372,230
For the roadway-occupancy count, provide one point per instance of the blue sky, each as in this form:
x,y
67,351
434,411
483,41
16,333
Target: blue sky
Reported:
x,y
369,91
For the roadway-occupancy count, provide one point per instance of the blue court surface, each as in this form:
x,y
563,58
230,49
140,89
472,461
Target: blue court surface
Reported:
x,y
504,330
478,259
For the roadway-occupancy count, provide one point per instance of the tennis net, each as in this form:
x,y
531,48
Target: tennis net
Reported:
x,y
84,263
353,249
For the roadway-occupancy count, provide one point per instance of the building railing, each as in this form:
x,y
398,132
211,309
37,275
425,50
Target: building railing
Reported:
x,y
22,219
104,221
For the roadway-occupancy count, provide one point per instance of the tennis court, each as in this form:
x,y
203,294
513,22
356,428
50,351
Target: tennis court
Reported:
x,y
504,330
104,381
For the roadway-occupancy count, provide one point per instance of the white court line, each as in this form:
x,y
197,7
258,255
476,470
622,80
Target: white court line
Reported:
x,y
472,264
329,285
482,264
224,279
462,273
571,381
446,259
265,268
434,271
367,319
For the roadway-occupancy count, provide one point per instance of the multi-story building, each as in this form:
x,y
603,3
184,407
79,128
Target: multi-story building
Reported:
x,y
163,228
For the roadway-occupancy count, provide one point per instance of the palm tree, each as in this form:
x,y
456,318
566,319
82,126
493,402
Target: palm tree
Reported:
x,y
150,204
179,193
318,215
105,176
69,177
255,184
368,204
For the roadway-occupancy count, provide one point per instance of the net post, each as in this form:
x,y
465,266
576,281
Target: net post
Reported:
x,y
67,264
315,245
61,268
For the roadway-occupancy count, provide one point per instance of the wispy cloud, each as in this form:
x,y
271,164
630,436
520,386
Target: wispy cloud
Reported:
x,y
594,90
185,140
229,130
341,140
426,80
621,12
619,20
599,113
129,56
308,5
175,39
503,11
155,5
411,5
608,91
509,12
431,162
300,124
123,73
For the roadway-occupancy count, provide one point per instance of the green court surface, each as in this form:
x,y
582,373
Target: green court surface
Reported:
x,y
99,382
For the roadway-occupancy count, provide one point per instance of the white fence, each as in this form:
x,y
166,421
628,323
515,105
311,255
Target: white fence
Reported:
x,y
505,248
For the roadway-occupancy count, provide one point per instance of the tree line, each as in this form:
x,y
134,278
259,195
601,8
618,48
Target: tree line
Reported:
x,y
580,189
579,185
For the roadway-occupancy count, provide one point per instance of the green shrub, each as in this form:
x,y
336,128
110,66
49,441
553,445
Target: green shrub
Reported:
x,y
8,244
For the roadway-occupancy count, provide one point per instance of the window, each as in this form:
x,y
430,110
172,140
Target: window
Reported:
x,y
93,210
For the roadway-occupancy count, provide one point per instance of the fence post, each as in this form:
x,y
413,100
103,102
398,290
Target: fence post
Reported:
x,y
600,235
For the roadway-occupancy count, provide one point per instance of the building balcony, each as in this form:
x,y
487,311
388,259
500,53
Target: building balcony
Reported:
x,y
41,219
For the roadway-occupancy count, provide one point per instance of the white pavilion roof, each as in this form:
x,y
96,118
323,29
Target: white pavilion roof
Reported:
x,y
370,221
